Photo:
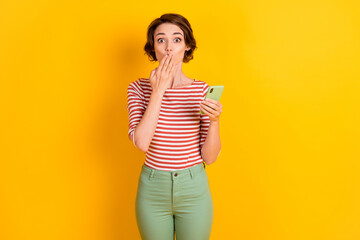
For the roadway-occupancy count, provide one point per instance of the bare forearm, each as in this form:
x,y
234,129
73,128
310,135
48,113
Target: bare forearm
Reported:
x,y
145,129
212,145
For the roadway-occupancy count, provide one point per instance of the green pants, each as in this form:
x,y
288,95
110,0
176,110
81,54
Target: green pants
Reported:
x,y
174,202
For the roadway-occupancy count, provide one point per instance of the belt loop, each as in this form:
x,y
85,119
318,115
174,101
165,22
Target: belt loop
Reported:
x,y
204,164
151,174
191,173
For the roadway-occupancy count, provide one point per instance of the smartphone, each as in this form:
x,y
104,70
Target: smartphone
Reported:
x,y
214,92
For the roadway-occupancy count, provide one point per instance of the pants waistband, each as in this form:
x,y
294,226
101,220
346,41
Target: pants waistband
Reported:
x,y
172,175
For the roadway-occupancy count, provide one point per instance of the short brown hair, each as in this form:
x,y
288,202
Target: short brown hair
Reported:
x,y
182,23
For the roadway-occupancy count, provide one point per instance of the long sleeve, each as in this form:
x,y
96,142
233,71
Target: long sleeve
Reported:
x,y
135,107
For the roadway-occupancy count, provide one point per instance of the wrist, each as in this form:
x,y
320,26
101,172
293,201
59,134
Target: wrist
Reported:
x,y
158,94
214,122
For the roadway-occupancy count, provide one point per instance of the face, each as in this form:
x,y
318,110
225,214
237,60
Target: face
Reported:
x,y
169,38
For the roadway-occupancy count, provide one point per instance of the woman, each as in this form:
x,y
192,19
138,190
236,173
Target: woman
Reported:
x,y
165,123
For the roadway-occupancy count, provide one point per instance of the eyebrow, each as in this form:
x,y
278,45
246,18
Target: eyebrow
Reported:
x,y
164,33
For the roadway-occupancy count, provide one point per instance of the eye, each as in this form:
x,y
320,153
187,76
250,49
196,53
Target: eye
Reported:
x,y
159,40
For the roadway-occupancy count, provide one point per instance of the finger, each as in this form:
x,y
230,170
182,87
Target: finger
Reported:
x,y
170,64
209,109
171,69
166,64
211,100
212,105
217,106
161,63
152,73
207,112
156,72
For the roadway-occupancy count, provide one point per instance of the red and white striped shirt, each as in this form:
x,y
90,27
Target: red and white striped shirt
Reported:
x,y
180,131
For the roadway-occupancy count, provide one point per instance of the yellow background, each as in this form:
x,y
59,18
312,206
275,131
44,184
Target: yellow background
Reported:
x,y
289,165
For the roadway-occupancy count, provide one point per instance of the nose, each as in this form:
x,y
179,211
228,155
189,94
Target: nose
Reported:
x,y
168,48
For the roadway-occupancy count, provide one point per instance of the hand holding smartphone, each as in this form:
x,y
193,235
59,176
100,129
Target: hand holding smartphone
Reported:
x,y
214,92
